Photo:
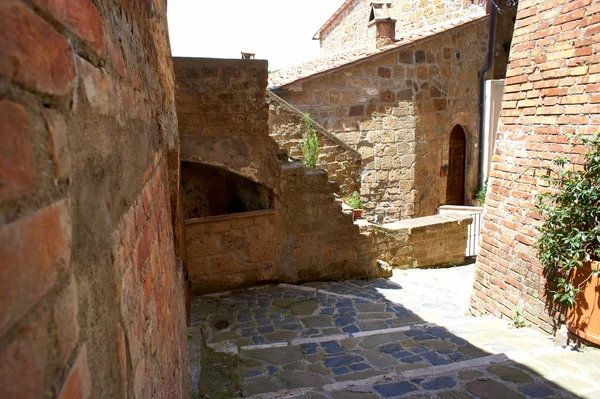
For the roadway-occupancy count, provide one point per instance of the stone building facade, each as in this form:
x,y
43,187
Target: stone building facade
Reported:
x,y
351,26
92,297
397,107
552,90
300,234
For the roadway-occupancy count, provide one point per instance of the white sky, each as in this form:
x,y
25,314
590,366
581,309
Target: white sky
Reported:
x,y
277,30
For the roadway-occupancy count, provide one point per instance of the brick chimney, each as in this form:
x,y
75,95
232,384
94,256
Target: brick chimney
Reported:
x,y
248,56
382,27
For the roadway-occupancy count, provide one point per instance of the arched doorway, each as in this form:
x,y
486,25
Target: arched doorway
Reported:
x,y
455,189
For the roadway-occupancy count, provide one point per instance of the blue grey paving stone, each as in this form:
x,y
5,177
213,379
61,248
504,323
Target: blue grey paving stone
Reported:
x,y
394,389
351,329
295,379
258,340
346,311
310,333
537,390
309,349
510,374
266,329
332,347
401,354
439,383
411,359
439,332
390,348
344,321
342,360
272,369
292,327
490,389
439,362
327,311
340,370
359,366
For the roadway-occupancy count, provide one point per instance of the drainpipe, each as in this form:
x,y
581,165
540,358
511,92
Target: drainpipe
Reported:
x,y
482,94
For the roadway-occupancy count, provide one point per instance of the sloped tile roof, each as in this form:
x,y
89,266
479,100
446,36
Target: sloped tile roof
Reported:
x,y
325,64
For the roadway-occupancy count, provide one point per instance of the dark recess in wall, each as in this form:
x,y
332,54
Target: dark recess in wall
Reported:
x,y
212,191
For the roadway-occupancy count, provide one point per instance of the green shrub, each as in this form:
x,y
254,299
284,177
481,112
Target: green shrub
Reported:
x,y
480,195
570,234
354,201
310,144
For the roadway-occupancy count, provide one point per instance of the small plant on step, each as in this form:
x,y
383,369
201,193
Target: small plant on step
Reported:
x,y
480,195
518,322
354,201
310,144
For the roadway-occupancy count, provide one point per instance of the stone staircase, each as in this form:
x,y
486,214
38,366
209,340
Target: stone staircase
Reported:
x,y
349,340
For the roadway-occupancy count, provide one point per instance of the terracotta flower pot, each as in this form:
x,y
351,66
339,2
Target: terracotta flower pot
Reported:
x,y
583,319
357,213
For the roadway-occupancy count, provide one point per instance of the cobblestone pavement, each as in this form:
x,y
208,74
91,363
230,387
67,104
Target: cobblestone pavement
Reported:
x,y
407,337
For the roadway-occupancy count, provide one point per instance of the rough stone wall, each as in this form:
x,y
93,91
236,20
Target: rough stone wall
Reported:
x,y
438,240
398,109
91,296
342,162
223,121
552,90
351,29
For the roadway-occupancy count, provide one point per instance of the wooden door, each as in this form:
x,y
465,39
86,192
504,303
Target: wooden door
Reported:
x,y
455,190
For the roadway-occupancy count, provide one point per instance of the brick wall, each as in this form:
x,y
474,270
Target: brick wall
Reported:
x,y
351,29
91,296
552,90
438,240
224,122
342,163
398,109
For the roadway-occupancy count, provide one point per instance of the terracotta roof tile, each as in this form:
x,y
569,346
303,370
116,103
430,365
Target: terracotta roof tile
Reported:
x,y
322,65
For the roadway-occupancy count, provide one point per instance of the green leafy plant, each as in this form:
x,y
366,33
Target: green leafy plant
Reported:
x,y
480,194
354,201
518,322
310,144
570,233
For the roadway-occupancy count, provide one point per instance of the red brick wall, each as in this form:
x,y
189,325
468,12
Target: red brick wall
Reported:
x,y
552,90
91,295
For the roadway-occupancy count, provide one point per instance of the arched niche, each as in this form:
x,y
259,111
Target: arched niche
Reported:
x,y
212,191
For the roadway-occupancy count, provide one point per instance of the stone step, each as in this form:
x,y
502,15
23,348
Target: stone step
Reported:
x,y
314,362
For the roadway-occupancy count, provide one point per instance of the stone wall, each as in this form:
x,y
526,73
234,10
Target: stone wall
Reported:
x,y
398,109
439,240
551,91
91,296
223,122
351,29
342,162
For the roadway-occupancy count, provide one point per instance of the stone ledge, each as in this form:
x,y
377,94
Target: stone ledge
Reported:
x,y
427,221
241,215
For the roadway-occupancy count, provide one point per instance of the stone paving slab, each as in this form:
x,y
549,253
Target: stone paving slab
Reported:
x,y
502,380
407,337
318,363
269,314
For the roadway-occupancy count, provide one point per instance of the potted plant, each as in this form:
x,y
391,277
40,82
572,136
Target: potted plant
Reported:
x,y
569,241
355,203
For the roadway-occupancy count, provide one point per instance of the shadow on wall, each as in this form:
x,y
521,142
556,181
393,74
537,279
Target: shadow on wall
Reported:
x,y
213,191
